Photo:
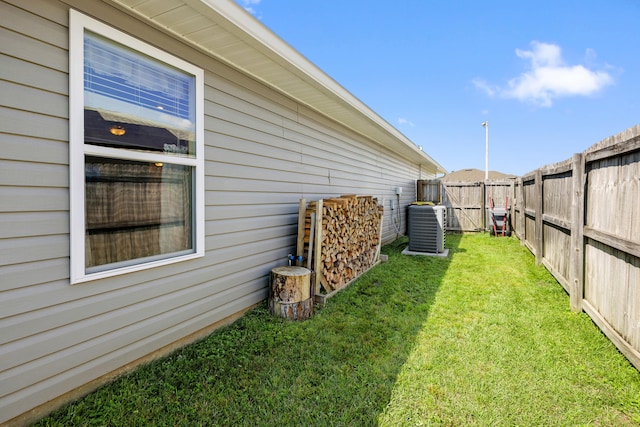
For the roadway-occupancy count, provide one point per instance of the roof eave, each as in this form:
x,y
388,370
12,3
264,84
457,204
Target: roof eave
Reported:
x,y
270,60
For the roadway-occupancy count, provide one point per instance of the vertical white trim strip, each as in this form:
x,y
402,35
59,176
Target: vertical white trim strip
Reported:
x,y
200,156
76,143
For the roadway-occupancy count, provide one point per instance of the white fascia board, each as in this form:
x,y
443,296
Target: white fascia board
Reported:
x,y
278,50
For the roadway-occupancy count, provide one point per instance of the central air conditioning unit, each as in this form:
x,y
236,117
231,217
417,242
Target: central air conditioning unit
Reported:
x,y
427,228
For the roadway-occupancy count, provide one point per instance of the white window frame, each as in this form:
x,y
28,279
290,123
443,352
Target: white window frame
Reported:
x,y
78,25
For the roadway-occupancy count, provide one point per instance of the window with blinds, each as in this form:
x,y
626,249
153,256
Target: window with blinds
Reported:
x,y
139,95
116,72
136,154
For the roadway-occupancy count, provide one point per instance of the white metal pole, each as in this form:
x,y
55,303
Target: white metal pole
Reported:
x,y
486,149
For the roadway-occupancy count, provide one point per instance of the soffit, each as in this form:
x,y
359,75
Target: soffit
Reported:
x,y
227,32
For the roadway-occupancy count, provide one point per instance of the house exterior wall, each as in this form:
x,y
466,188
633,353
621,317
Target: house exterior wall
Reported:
x,y
263,153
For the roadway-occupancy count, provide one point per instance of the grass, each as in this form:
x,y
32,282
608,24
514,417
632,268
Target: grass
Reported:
x,y
483,337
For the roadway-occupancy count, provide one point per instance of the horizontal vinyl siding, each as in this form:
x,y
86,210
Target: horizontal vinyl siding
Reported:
x,y
263,152
323,161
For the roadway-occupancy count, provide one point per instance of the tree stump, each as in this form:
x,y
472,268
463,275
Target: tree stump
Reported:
x,y
290,293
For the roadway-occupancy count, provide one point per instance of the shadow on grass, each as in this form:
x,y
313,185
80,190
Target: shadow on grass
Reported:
x,y
337,368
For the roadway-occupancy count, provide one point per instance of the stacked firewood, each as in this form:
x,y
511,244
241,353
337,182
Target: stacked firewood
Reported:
x,y
350,239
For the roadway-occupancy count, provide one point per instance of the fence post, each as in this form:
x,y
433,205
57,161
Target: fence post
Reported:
x,y
539,223
576,256
512,203
521,226
483,205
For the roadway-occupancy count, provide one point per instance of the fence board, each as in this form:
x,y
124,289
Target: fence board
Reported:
x,y
538,206
556,188
576,256
518,207
557,245
614,192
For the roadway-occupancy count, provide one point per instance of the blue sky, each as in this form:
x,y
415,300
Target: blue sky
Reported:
x,y
551,77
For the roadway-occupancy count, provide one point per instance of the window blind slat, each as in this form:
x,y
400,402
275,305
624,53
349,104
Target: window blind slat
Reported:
x,y
113,71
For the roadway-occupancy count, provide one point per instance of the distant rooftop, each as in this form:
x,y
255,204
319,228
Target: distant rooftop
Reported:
x,y
473,175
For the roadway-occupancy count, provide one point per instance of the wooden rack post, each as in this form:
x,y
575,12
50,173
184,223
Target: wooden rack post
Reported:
x,y
317,244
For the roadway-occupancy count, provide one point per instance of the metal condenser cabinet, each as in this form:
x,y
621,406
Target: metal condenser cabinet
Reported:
x,y
427,228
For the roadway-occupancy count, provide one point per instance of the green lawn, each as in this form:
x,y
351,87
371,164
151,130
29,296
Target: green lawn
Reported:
x,y
483,337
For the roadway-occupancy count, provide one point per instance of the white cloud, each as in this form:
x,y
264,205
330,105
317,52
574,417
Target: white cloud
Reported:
x,y
543,54
248,5
549,77
403,121
485,87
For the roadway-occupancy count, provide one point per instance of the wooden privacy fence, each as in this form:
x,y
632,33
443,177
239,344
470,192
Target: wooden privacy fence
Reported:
x,y
581,220
467,203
